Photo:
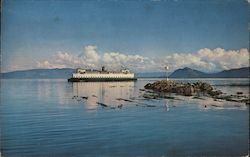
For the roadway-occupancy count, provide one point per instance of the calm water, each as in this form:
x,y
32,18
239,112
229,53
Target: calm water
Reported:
x,y
43,118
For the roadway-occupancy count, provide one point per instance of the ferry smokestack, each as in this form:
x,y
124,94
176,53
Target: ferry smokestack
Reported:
x,y
103,68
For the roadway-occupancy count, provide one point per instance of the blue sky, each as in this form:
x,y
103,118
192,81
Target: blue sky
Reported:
x,y
35,31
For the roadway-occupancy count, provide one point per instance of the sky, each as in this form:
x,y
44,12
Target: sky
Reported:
x,y
143,35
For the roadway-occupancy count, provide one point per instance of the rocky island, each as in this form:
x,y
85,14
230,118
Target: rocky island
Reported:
x,y
196,89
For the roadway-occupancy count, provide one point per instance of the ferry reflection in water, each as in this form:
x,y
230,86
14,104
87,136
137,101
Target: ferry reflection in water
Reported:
x,y
103,92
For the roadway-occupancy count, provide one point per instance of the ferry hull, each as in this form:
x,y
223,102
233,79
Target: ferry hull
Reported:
x,y
100,79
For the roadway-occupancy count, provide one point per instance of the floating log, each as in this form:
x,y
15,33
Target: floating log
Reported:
x,y
215,106
150,105
84,97
102,104
124,99
239,93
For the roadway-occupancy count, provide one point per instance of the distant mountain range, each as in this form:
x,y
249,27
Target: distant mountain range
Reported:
x,y
39,74
191,73
179,73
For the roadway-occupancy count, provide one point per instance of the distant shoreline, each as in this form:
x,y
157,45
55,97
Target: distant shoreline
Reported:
x,y
185,73
140,78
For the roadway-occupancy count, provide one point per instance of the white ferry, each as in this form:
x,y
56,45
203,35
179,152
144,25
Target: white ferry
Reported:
x,y
83,75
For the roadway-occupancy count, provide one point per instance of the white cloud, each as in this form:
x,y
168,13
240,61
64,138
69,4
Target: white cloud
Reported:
x,y
46,64
90,55
116,60
88,59
205,60
210,60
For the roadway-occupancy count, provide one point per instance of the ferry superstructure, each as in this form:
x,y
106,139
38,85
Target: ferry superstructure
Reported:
x,y
83,75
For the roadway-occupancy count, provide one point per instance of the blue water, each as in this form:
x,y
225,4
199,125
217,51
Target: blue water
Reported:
x,y
43,118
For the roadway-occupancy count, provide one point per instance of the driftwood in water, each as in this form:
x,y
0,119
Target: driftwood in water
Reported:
x,y
102,104
124,100
84,97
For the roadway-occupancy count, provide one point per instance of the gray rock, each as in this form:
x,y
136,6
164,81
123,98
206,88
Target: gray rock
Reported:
x,y
170,86
197,88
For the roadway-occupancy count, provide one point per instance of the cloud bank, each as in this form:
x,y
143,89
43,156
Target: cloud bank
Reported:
x,y
210,60
205,60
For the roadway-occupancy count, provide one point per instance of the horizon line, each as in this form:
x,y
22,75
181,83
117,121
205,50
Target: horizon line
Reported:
x,y
21,70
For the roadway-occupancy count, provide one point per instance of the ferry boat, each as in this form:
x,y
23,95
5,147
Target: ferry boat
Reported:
x,y
83,75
